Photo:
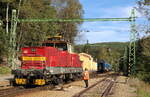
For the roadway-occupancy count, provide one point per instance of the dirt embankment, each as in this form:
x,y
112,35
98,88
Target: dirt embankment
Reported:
x,y
122,88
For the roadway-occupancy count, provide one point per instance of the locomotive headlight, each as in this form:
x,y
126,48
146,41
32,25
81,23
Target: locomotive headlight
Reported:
x,y
25,51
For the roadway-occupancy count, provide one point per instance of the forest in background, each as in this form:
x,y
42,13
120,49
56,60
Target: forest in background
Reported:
x,y
111,52
143,44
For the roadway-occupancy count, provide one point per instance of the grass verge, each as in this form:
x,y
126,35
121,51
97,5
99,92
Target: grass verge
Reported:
x,y
143,89
5,70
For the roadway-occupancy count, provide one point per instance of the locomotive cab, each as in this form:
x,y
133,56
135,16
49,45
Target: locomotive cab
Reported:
x,y
58,43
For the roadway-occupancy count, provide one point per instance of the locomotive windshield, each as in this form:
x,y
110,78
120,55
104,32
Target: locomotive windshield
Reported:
x,y
48,44
60,46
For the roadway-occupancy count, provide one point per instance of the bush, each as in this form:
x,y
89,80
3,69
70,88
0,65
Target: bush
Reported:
x,y
142,93
5,70
145,76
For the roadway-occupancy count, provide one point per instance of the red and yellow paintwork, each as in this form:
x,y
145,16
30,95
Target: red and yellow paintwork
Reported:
x,y
47,57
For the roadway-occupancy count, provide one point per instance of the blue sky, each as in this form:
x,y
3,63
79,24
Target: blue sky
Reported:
x,y
106,31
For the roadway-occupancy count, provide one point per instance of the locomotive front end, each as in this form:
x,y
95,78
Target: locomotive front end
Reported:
x,y
32,67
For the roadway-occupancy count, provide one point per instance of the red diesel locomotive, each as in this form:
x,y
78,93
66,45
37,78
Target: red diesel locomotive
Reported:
x,y
54,62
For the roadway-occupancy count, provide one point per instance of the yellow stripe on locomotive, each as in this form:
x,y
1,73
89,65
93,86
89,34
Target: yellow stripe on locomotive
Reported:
x,y
34,58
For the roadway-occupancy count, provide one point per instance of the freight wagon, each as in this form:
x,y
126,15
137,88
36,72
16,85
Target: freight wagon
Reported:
x,y
88,62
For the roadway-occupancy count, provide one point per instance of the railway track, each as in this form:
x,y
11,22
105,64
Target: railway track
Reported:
x,y
106,92
13,91
101,88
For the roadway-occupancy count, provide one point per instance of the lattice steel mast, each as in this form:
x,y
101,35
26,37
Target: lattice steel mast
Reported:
x,y
132,45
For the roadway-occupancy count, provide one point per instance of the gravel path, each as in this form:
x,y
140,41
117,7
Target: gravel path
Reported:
x,y
5,80
6,77
122,88
68,90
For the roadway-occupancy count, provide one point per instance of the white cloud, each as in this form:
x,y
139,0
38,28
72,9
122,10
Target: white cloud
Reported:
x,y
109,31
107,36
116,26
106,32
118,11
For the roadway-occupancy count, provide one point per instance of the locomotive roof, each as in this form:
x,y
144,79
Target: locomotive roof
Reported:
x,y
60,41
55,39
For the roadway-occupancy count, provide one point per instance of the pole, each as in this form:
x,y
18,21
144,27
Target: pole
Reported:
x,y
132,45
7,18
12,41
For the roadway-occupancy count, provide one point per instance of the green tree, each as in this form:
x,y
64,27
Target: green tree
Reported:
x,y
5,14
68,9
144,43
30,34
2,46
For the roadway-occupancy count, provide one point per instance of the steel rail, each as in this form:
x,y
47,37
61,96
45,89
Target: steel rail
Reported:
x,y
109,87
103,94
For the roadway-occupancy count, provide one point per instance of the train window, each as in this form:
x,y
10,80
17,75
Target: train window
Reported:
x,y
61,46
48,44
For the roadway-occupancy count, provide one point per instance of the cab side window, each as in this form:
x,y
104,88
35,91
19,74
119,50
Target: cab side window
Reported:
x,y
61,46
